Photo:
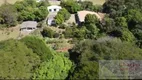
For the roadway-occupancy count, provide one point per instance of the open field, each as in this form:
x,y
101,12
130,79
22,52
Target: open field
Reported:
x,y
99,2
8,33
54,2
9,1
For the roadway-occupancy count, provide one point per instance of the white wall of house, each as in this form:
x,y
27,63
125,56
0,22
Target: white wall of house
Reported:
x,y
54,8
51,21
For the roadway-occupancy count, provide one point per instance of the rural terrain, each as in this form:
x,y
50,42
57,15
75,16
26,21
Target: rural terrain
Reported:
x,y
70,39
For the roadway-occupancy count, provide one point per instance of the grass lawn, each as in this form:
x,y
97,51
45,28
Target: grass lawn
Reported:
x,y
8,33
9,1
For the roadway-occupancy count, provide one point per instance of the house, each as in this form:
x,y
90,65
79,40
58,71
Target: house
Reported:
x,y
51,20
54,8
28,26
81,15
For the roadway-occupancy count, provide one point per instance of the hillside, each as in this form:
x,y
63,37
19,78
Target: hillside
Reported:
x,y
9,1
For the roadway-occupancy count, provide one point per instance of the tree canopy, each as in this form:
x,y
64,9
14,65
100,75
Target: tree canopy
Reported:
x,y
87,53
30,10
17,61
71,5
38,46
8,15
56,68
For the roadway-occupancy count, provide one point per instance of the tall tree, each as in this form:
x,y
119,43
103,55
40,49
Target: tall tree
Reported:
x,y
38,46
59,19
88,53
16,60
55,68
65,13
8,15
71,6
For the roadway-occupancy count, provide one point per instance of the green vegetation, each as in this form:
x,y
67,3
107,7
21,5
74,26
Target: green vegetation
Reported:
x,y
74,32
26,55
17,61
30,10
87,53
71,5
56,68
118,36
47,32
88,5
124,19
8,15
38,46
22,11
62,16
97,2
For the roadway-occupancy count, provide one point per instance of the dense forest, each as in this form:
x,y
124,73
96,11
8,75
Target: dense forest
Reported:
x,y
117,37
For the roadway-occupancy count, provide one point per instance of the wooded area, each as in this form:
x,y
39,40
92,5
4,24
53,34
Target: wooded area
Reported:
x,y
118,36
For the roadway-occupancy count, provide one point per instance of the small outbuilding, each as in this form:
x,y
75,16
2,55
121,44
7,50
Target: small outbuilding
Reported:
x,y
54,8
28,26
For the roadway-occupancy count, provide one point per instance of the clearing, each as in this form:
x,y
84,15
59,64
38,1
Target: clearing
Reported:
x,y
8,33
9,1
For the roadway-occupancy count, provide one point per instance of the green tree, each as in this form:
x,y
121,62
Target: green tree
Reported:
x,y
71,6
68,32
87,5
30,10
17,61
80,33
133,17
26,15
89,18
87,54
92,31
121,22
65,13
38,46
56,68
19,5
115,8
41,13
127,36
43,3
109,25
8,15
32,3
47,32
90,22
59,19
